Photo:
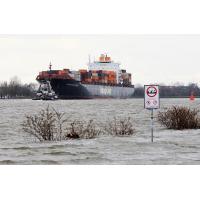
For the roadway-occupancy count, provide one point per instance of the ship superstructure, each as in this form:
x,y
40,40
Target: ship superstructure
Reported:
x,y
103,79
106,64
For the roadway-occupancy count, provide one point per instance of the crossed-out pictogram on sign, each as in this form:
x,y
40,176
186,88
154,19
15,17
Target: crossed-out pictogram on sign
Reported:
x,y
152,91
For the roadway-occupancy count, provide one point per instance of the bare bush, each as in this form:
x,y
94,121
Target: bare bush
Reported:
x,y
60,124
41,125
122,127
82,130
51,125
180,118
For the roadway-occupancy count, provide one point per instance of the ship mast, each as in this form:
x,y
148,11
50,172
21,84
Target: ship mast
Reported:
x,y
89,59
50,65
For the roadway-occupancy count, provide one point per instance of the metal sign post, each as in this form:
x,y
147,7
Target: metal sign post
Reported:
x,y
151,125
151,102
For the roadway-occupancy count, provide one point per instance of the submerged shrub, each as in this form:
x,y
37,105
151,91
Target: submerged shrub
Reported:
x,y
51,125
121,127
179,118
81,129
43,125
60,124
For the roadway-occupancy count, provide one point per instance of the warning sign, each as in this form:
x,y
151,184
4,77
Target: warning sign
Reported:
x,y
151,97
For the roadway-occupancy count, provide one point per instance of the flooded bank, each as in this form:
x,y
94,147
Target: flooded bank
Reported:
x,y
169,147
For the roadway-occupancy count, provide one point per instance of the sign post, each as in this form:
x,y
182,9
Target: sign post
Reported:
x,y
151,125
151,101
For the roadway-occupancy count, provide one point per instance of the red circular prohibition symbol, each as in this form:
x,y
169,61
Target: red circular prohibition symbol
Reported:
x,y
152,94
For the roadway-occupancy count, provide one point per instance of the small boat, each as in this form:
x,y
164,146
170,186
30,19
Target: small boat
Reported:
x,y
45,92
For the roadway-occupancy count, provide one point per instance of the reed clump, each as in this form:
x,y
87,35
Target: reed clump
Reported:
x,y
179,118
120,127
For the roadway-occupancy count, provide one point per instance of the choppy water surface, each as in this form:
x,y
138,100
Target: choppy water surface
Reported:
x,y
169,147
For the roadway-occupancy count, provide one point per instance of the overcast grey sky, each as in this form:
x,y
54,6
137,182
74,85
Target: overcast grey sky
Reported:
x,y
150,59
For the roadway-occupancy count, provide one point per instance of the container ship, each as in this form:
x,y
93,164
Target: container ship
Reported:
x,y
103,79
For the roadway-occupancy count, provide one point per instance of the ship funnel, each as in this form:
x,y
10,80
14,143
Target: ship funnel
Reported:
x,y
102,58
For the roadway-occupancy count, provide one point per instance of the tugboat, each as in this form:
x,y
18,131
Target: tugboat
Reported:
x,y
45,92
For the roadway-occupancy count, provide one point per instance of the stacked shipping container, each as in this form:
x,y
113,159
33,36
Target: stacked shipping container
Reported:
x,y
126,78
92,76
98,76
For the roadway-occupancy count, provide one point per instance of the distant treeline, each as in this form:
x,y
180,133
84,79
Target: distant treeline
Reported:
x,y
175,91
15,89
